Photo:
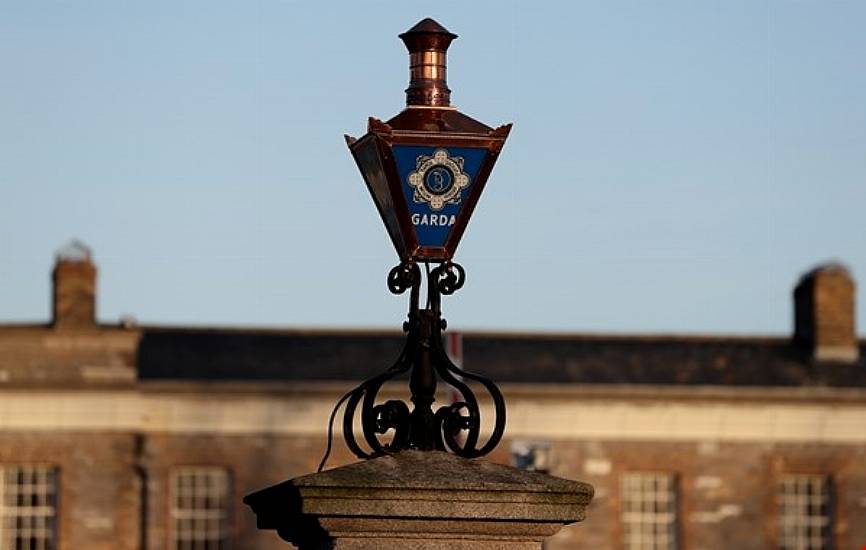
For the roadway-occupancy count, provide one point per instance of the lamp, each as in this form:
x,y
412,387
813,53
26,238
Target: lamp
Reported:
x,y
425,169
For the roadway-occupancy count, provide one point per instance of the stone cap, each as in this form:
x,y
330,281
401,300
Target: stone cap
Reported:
x,y
412,470
423,485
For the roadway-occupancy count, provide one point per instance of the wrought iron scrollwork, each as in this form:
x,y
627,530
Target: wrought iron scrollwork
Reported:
x,y
454,427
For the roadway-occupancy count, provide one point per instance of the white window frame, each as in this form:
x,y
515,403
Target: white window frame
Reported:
x,y
805,512
649,511
200,508
28,525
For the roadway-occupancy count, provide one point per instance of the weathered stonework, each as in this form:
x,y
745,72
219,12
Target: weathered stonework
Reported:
x,y
421,500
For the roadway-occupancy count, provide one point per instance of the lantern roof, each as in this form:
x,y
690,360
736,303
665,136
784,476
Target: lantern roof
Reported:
x,y
427,25
427,34
437,120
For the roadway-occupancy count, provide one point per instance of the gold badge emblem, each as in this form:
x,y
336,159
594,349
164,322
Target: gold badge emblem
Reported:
x,y
438,179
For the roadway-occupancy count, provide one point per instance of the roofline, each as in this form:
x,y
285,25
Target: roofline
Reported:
x,y
394,332
496,333
701,393
588,392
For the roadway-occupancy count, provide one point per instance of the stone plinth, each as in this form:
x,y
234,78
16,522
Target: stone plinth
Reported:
x,y
420,500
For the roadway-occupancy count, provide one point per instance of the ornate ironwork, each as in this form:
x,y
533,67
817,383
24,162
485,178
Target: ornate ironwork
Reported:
x,y
455,427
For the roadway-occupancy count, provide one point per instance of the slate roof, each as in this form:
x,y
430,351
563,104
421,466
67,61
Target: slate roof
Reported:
x,y
189,354
40,355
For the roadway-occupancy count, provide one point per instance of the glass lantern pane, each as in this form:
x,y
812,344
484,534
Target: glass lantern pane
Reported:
x,y
367,156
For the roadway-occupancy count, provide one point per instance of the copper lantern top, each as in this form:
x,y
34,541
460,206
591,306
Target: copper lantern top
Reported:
x,y
426,167
428,43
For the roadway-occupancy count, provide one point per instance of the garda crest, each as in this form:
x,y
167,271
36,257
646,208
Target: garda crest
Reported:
x,y
438,179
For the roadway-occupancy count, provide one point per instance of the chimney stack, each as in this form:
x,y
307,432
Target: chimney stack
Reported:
x,y
74,288
824,317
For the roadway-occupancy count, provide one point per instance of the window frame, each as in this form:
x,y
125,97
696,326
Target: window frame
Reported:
x,y
674,526
228,511
827,483
52,517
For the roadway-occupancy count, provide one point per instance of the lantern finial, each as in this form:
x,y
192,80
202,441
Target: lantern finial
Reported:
x,y
427,43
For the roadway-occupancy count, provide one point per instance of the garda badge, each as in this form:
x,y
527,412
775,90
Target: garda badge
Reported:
x,y
438,179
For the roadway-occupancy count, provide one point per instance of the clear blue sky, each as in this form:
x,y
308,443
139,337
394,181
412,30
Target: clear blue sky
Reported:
x,y
674,166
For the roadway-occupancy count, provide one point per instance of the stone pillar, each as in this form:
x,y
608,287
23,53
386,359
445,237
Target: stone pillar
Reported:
x,y
425,500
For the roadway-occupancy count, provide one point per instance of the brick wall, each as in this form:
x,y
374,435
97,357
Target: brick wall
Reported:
x,y
726,490
98,498
40,356
255,462
825,314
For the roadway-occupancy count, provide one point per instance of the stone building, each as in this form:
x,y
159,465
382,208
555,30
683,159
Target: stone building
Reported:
x,y
121,437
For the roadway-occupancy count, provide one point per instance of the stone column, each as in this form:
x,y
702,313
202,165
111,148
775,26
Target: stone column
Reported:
x,y
426,500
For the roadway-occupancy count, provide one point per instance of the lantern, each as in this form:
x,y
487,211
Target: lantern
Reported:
x,y
426,167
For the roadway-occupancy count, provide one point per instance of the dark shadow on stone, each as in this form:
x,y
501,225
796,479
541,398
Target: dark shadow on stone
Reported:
x,y
280,507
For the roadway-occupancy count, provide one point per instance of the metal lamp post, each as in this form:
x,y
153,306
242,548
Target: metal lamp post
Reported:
x,y
425,169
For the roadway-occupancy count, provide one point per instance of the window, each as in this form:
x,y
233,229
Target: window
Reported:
x,y
649,511
199,510
28,507
804,512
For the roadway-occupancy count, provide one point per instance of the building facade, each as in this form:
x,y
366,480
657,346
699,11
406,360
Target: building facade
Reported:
x,y
121,437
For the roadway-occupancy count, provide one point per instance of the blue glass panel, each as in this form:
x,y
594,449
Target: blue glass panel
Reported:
x,y
436,182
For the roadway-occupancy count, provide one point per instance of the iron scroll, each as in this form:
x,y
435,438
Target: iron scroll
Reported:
x,y
455,427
